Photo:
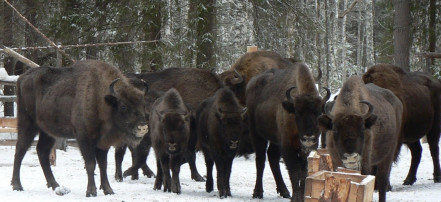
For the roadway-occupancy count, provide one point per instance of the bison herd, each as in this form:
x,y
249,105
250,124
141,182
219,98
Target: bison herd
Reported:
x,y
264,104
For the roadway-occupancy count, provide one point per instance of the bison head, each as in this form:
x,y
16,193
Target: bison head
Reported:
x,y
128,114
175,130
231,126
236,83
307,108
348,131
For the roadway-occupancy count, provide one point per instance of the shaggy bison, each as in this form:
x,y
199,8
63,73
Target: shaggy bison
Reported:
x,y
364,128
194,85
170,134
220,126
420,95
250,65
283,106
90,101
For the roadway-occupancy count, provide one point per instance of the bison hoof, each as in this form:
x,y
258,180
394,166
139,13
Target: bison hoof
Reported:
x,y
118,177
89,194
209,187
135,176
437,179
149,174
224,193
197,177
409,181
258,194
284,192
176,187
17,186
108,192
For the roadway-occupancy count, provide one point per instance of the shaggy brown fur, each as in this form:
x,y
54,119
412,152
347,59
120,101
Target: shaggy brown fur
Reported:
x,y
77,102
170,133
287,119
420,95
250,65
194,85
374,138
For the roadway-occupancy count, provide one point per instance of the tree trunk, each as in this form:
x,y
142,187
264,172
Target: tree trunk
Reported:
x,y
401,33
8,40
327,52
152,24
206,35
432,34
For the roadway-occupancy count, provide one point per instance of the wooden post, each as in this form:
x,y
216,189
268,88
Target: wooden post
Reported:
x,y
251,49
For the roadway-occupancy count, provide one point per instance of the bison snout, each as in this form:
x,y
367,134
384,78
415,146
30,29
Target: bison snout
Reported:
x,y
352,161
172,147
233,144
142,130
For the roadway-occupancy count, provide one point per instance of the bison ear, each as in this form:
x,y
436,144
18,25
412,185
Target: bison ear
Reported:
x,y
289,107
325,122
370,121
111,100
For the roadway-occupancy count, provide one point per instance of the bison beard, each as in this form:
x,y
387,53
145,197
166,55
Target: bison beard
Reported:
x,y
87,102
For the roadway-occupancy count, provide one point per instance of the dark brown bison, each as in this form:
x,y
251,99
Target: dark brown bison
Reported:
x,y
194,85
220,125
170,133
420,95
90,101
364,128
283,107
248,66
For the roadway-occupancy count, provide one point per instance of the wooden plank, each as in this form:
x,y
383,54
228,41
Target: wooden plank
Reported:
x,y
6,98
8,122
8,130
21,58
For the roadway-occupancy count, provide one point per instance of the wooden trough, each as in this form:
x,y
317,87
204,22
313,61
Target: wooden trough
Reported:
x,y
339,186
343,185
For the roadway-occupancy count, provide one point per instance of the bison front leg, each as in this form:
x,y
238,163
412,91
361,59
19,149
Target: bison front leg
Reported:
x,y
88,151
209,164
297,170
159,177
165,166
191,159
260,146
176,168
221,175
119,156
44,147
101,157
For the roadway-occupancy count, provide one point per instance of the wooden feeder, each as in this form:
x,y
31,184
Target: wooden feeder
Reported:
x,y
339,186
319,160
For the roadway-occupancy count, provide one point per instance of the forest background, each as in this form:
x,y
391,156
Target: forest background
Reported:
x,y
340,37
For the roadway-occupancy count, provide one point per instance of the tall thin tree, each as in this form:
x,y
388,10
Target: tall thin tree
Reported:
x,y
401,33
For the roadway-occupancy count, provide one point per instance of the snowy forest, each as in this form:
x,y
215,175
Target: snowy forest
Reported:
x,y
341,37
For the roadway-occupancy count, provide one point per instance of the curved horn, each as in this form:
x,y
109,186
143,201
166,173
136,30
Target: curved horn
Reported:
x,y
220,113
244,111
371,108
328,111
146,86
112,91
288,93
319,76
238,79
328,94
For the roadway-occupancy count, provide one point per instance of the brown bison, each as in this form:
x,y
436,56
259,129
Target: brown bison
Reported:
x,y
420,95
220,126
250,65
364,128
194,85
90,101
170,133
283,107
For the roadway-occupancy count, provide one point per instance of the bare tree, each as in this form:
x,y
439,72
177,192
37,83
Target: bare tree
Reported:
x,y
401,33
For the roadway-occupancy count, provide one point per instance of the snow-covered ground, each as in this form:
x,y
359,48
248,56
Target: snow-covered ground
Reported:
x,y
70,173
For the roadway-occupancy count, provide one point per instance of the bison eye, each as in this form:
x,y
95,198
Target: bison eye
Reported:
x,y
123,108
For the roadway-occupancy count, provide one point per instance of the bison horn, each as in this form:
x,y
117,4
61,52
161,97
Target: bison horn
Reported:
x,y
328,110
238,78
371,108
319,76
244,111
288,93
112,91
146,85
328,94
220,113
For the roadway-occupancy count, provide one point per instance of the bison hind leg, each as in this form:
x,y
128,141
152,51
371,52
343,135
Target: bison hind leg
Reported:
x,y
44,147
